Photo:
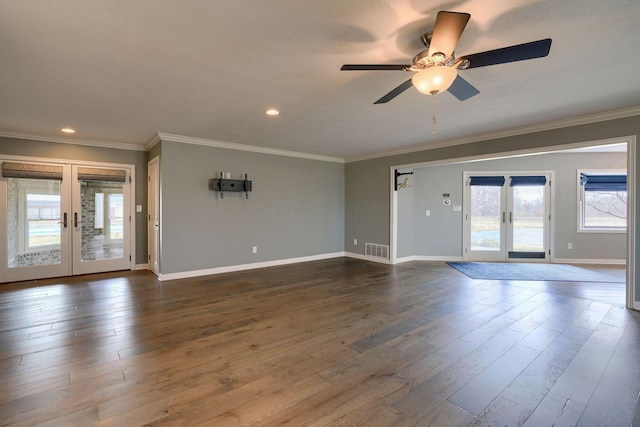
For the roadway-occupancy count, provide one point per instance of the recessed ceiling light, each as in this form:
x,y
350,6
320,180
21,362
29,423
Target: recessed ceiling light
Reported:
x,y
68,130
272,112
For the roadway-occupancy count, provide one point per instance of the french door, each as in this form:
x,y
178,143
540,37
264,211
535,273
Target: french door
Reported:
x,y
63,219
507,217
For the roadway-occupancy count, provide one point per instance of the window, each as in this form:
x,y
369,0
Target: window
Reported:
x,y
603,201
114,211
43,218
37,210
109,211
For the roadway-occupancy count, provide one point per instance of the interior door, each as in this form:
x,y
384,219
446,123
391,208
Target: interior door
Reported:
x,y
101,219
153,217
507,217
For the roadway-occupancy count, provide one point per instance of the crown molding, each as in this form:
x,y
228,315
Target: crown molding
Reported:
x,y
557,124
574,121
73,141
152,142
243,147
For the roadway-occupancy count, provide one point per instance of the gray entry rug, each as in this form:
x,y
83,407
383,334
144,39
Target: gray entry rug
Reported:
x,y
531,271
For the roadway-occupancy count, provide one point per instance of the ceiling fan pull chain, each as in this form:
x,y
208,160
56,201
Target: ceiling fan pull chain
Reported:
x,y
433,119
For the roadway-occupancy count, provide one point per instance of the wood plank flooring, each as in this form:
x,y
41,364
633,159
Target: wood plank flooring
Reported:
x,y
336,342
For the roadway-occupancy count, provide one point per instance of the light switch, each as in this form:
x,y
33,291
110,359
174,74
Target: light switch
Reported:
x,y
138,208
457,208
427,212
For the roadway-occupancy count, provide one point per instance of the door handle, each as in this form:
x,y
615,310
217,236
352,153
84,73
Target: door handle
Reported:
x,y
504,217
511,217
75,220
64,220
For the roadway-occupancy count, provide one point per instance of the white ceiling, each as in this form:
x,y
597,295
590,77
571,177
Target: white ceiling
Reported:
x,y
122,70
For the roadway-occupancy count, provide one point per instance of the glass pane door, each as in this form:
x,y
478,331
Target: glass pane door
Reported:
x,y
63,225
36,236
506,217
528,221
100,224
485,218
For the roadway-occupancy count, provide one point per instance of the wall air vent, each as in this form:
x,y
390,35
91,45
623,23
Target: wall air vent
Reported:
x,y
376,250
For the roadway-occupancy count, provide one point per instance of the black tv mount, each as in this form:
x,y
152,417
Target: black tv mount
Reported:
x,y
231,185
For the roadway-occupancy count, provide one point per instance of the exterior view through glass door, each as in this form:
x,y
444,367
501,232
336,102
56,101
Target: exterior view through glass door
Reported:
x,y
506,217
57,220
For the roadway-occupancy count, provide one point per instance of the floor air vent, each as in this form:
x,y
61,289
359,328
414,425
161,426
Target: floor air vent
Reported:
x,y
374,249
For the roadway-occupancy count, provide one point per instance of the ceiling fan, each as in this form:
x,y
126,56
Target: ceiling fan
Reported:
x,y
436,67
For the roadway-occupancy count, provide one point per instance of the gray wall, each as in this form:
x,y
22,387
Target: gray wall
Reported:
x,y
367,181
51,150
296,208
441,233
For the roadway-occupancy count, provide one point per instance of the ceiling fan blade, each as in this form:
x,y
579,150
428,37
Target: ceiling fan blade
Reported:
x,y
447,31
373,67
462,89
395,92
519,52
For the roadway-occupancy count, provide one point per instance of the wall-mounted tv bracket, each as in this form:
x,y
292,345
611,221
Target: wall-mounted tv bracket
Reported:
x,y
234,185
395,187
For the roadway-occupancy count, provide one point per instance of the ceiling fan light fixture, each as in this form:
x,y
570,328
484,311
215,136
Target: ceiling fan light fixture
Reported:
x,y
438,57
434,80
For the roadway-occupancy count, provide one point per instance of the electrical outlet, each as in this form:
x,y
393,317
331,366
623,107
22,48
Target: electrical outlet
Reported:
x,y
255,249
355,242
227,175
427,212
569,245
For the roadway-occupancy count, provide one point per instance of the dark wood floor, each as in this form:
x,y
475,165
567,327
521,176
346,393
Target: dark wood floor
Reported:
x,y
335,342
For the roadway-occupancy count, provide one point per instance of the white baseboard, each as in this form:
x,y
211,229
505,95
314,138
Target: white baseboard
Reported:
x,y
141,267
242,267
589,261
554,261
438,258
367,258
428,258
